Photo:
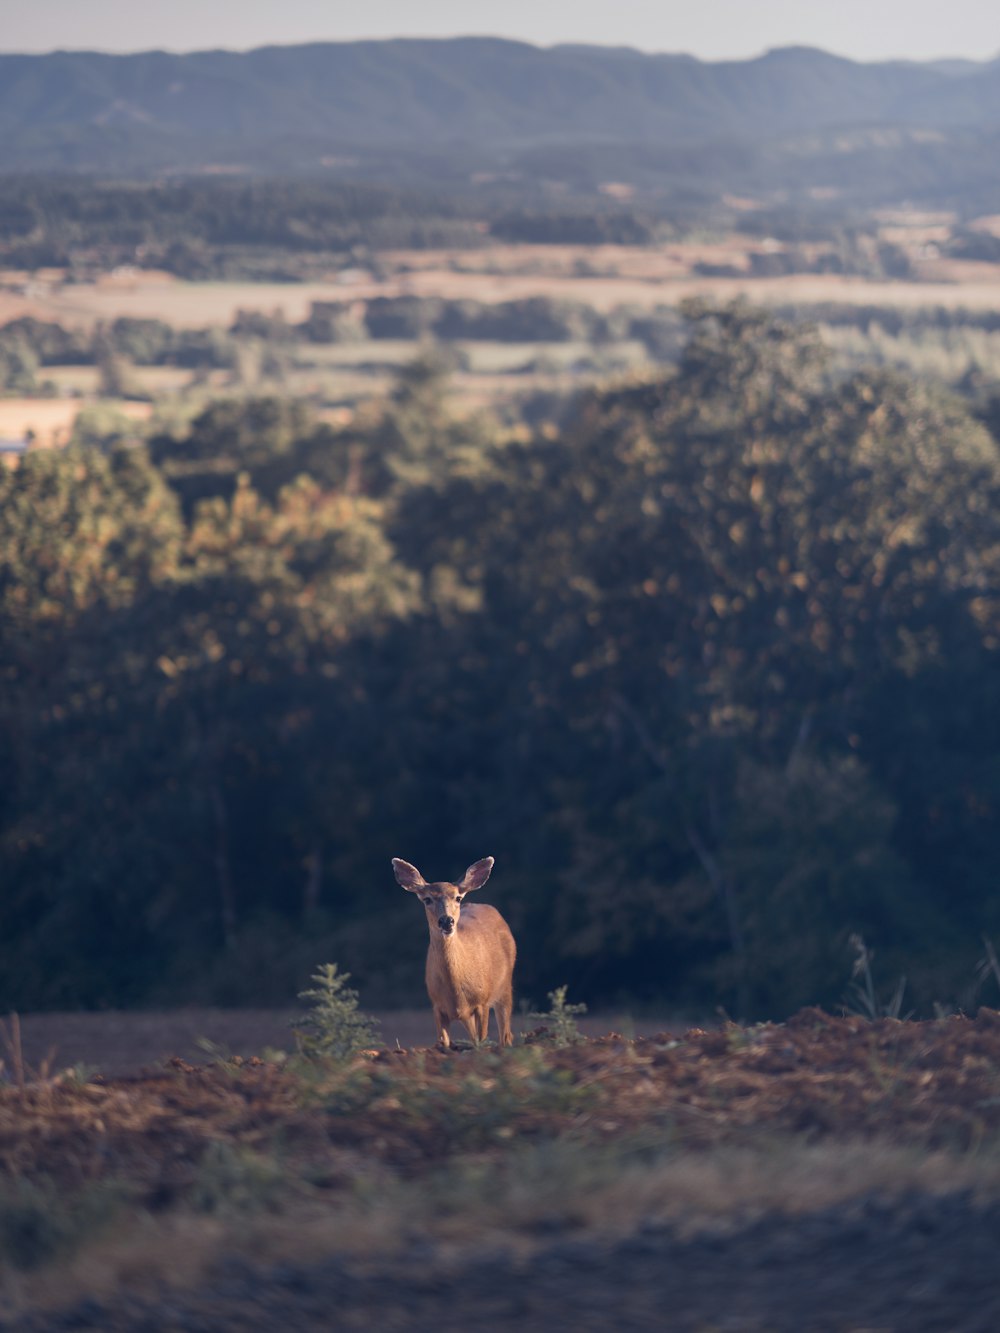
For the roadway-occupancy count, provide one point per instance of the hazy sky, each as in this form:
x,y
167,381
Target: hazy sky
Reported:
x,y
712,29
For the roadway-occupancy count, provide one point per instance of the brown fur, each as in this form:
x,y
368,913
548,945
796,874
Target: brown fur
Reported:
x,y
469,970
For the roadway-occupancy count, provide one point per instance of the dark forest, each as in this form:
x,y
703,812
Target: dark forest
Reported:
x,y
711,671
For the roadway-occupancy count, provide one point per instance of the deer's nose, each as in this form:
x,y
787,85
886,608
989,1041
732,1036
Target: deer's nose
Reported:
x,y
445,922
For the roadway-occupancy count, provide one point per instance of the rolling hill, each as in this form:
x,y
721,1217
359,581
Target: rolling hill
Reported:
x,y
451,111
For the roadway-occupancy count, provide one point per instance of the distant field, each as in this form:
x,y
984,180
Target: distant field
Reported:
x,y
333,378
337,377
46,417
948,355
85,380
983,292
72,379
485,358
162,379
602,280
51,420
380,352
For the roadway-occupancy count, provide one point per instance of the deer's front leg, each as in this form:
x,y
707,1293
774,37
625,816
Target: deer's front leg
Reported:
x,y
442,1020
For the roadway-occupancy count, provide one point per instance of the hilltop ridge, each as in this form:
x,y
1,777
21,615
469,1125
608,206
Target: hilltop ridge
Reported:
x,y
299,105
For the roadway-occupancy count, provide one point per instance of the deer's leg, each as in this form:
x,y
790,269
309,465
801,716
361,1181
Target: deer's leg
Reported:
x,y
473,1020
442,1020
502,1009
482,1017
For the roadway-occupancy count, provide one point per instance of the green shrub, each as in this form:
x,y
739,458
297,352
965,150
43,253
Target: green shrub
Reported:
x,y
335,1027
559,1023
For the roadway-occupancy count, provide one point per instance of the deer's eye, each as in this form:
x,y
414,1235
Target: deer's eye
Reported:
x,y
460,897
426,902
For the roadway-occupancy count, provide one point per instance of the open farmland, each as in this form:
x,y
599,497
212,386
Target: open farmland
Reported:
x,y
741,1178
50,421
194,304
521,321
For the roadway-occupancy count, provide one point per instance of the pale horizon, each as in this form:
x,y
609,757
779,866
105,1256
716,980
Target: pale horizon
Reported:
x,y
502,37
716,31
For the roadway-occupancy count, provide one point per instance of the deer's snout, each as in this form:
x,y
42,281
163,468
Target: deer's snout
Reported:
x,y
447,923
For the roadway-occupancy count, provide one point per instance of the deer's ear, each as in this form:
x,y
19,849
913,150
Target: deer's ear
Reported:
x,y
476,875
408,876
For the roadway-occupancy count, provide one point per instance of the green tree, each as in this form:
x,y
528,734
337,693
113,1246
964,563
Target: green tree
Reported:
x,y
725,567
18,366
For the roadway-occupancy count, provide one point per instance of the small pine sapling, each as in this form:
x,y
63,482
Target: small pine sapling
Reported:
x,y
560,1021
334,1027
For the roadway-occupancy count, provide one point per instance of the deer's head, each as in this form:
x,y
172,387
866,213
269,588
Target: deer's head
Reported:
x,y
442,900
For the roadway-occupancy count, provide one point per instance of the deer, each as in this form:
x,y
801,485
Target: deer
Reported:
x,y
470,958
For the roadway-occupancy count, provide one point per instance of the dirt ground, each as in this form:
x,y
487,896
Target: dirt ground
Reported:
x,y
114,1043
826,1175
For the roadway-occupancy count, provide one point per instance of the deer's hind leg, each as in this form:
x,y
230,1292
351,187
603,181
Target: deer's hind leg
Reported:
x,y
503,1008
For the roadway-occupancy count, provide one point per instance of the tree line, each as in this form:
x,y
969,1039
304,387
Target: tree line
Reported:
x,y
230,228
710,670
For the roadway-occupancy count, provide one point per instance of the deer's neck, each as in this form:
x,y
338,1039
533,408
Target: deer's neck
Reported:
x,y
446,950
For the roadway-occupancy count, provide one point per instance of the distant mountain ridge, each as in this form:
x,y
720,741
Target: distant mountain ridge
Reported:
x,y
296,104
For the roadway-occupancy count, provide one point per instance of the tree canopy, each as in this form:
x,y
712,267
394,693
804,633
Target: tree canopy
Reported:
x,y
711,671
